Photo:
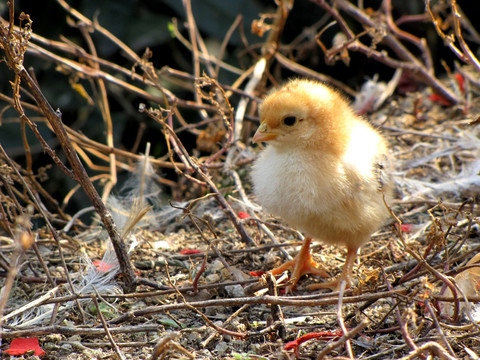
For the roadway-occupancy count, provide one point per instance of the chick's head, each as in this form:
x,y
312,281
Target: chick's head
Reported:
x,y
304,112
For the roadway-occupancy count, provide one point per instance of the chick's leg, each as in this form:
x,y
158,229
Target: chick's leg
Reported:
x,y
346,275
302,264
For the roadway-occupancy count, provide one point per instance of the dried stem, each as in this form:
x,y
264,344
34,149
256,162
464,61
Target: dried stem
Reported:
x,y
389,307
465,54
105,327
375,29
192,164
340,320
15,63
430,347
438,327
205,318
352,333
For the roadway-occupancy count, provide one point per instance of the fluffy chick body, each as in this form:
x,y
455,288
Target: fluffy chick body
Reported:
x,y
323,174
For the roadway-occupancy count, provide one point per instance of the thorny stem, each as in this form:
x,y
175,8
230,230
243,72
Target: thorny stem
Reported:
x,y
431,347
106,115
275,309
21,248
207,320
352,333
192,164
407,60
402,324
418,42
105,326
226,114
49,226
467,55
438,327
445,279
145,65
332,299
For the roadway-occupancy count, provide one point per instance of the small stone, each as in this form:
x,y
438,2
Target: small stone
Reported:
x,y
216,266
75,338
221,347
194,337
55,338
235,291
239,345
254,348
161,244
212,279
67,347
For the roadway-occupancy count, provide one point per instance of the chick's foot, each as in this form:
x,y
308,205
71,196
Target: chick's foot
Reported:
x,y
346,275
302,264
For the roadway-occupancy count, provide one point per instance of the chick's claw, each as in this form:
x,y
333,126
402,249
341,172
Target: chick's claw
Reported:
x,y
333,285
302,264
346,275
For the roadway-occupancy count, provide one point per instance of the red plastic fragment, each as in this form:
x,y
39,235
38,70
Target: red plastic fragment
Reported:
x,y
22,345
191,252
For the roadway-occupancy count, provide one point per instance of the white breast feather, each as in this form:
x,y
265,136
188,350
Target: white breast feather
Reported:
x,y
288,187
306,196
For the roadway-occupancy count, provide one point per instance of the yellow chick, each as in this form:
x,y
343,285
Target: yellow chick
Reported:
x,y
322,172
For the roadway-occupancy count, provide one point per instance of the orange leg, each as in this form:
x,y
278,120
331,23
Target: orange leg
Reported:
x,y
302,264
346,275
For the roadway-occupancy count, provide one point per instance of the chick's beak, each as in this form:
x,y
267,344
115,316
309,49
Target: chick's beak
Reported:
x,y
264,134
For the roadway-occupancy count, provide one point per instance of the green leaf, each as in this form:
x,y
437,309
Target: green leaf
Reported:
x,y
168,322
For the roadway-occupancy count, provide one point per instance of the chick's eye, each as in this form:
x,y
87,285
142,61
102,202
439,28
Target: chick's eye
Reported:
x,y
290,120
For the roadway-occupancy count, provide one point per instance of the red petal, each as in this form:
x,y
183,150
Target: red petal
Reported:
x,y
22,345
102,266
283,291
243,215
190,252
460,81
406,228
257,273
439,99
